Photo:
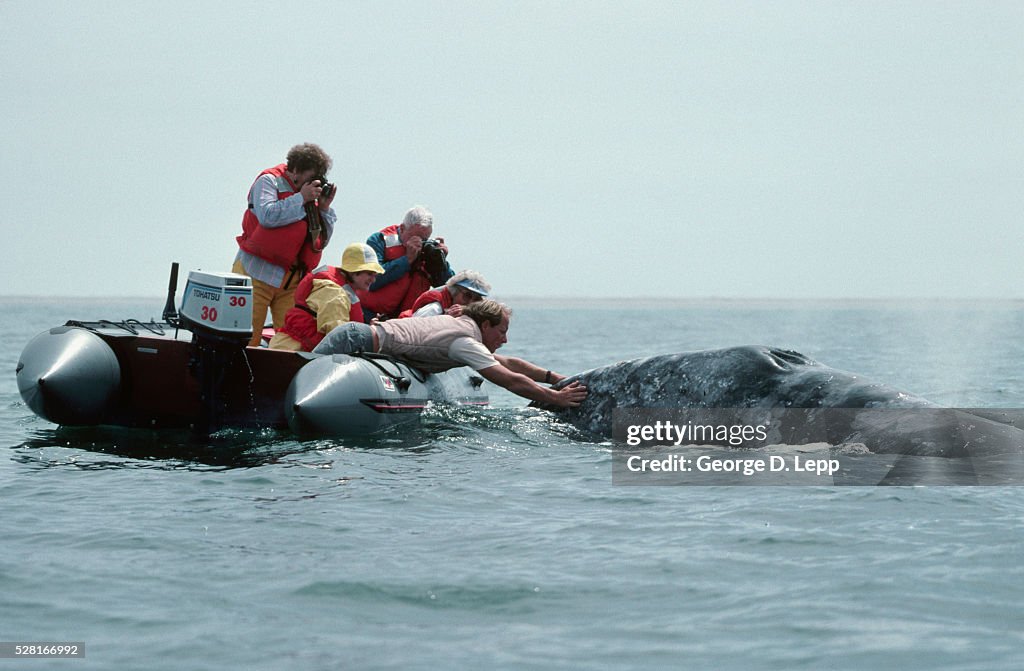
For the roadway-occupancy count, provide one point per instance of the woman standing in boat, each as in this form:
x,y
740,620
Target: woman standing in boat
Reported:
x,y
287,224
327,298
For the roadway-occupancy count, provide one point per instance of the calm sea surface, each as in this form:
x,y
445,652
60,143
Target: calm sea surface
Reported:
x,y
494,539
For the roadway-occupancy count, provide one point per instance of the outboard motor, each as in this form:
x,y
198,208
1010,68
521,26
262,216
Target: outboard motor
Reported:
x,y
217,309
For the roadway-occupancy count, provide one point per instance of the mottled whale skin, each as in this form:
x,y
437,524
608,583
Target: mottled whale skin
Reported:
x,y
751,376
757,376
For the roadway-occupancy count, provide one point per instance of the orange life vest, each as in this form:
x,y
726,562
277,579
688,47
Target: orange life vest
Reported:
x,y
442,296
300,321
399,295
286,246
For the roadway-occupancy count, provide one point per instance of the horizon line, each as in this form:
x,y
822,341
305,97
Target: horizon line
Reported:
x,y
603,299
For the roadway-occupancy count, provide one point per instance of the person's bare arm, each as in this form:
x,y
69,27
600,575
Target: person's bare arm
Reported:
x,y
530,370
569,396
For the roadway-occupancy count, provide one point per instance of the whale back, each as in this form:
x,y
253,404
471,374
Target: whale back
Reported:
x,y
751,376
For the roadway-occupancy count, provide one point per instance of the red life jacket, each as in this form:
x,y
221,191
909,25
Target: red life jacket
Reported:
x,y
391,299
300,321
442,296
285,246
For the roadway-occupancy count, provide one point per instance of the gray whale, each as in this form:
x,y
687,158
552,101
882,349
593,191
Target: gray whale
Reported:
x,y
751,376
889,420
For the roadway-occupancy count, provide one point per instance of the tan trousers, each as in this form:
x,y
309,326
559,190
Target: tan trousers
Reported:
x,y
279,300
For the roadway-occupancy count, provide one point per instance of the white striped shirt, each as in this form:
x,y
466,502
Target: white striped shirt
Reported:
x,y
274,213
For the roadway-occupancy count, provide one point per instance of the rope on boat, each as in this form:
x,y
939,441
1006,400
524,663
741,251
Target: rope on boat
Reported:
x,y
130,325
373,358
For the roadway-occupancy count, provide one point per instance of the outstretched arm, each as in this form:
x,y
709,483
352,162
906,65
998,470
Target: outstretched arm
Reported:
x,y
523,385
530,370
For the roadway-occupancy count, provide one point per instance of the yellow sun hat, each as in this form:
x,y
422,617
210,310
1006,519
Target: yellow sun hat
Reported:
x,y
360,256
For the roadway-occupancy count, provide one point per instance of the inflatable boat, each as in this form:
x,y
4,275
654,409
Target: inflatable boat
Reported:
x,y
195,370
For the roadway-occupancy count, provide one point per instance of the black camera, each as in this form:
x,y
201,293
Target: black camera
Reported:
x,y
326,188
432,256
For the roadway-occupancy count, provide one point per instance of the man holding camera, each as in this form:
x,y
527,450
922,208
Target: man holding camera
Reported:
x,y
413,263
284,230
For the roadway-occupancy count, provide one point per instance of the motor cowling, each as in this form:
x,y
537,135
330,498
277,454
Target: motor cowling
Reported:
x,y
218,305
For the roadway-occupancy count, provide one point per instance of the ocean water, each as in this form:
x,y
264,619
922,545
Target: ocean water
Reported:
x,y
494,538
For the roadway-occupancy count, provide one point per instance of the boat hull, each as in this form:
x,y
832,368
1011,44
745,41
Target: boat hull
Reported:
x,y
153,375
342,394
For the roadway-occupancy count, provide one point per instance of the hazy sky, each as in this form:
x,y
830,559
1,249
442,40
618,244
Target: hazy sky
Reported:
x,y
593,148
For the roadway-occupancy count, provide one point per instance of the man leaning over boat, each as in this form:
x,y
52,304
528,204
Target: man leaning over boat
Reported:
x,y
438,343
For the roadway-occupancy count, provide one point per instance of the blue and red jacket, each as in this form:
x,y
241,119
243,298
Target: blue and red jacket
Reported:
x,y
401,284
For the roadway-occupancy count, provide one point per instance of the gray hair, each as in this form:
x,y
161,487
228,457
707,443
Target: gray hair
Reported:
x,y
471,275
418,216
